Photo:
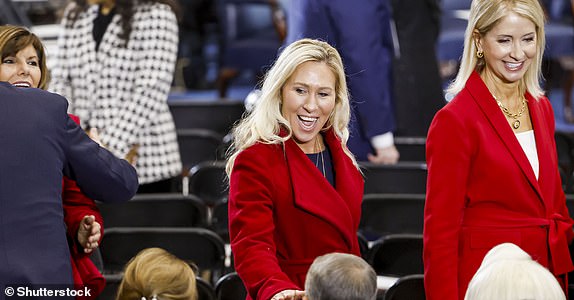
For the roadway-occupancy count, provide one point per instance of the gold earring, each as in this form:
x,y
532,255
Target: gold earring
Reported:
x,y
479,54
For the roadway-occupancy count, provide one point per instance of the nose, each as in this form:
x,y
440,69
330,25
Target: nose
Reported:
x,y
517,52
23,69
311,103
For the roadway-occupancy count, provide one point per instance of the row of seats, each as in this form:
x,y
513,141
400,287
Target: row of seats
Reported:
x,y
203,133
393,255
208,179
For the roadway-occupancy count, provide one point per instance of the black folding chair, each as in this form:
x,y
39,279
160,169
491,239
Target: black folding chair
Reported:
x,y
208,181
198,245
384,214
404,177
397,255
410,287
230,287
156,210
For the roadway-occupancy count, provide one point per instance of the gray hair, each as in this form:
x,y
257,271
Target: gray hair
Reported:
x,y
339,276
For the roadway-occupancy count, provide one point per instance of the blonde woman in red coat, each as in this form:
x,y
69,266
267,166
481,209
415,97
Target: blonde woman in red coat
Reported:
x,y
492,165
295,189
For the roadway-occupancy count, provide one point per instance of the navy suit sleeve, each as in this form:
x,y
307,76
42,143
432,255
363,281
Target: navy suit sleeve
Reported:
x,y
99,174
361,33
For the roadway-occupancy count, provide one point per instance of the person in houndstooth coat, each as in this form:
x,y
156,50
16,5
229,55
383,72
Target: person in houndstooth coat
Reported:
x,y
115,65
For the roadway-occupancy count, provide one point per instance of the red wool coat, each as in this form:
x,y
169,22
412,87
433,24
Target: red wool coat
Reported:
x,y
482,191
283,214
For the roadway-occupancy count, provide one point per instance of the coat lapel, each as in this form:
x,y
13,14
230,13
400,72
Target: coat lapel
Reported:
x,y
497,120
544,145
314,194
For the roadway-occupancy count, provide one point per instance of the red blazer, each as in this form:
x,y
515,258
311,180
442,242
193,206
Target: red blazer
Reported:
x,y
76,206
482,191
283,214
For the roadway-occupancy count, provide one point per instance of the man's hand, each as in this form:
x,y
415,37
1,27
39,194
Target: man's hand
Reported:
x,y
386,156
89,233
289,295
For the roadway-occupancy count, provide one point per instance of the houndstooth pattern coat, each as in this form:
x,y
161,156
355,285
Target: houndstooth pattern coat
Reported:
x,y
123,91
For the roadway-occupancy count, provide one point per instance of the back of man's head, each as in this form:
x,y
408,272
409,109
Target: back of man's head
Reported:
x,y
339,276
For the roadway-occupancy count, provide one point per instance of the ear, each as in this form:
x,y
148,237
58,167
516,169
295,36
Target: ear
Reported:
x,y
477,39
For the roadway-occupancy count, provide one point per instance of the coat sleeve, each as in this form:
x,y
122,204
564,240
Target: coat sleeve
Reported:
x,y
251,227
99,174
76,207
157,36
448,157
364,41
362,35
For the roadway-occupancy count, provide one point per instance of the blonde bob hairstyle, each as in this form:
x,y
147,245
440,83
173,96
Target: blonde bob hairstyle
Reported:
x,y
484,15
154,272
15,38
265,121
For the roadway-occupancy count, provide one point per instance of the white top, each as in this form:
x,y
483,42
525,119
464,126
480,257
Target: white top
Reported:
x,y
528,143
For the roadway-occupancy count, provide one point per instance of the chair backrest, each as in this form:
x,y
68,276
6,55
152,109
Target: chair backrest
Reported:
x,y
410,287
112,284
199,145
363,245
218,116
155,210
208,181
230,287
570,204
411,148
205,290
384,214
220,219
404,177
198,245
448,5
249,37
397,255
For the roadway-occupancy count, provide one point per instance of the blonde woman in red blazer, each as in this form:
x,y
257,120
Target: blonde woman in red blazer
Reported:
x,y
295,189
492,166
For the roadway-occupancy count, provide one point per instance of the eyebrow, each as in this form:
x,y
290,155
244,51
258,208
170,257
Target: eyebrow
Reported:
x,y
510,36
307,85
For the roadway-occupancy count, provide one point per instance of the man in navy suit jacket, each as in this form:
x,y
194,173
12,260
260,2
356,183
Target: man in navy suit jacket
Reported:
x,y
360,30
39,145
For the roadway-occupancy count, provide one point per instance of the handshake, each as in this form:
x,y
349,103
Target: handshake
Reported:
x,y
132,154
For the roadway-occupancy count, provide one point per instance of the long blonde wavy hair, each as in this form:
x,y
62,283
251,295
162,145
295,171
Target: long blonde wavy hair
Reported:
x,y
265,121
484,15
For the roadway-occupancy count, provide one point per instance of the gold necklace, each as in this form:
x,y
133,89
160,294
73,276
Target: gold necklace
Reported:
x,y
516,122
